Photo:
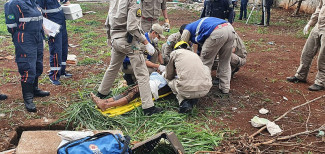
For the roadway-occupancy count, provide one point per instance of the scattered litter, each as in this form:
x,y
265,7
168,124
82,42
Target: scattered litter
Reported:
x,y
273,128
72,60
320,133
285,98
278,102
245,97
90,12
263,111
73,46
7,57
271,43
259,122
2,115
234,108
45,119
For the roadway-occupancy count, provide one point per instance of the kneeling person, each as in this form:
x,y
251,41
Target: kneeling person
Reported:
x,y
188,78
155,34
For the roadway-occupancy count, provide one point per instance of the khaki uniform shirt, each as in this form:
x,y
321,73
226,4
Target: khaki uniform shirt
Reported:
x,y
124,17
152,8
192,75
318,17
170,44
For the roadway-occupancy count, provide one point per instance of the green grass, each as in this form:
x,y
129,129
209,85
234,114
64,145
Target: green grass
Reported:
x,y
89,61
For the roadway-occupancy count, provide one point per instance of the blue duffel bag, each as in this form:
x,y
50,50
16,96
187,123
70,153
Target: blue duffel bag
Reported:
x,y
101,143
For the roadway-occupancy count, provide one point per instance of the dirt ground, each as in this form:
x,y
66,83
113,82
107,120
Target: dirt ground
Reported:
x,y
273,54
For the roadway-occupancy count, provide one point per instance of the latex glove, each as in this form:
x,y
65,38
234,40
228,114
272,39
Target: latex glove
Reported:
x,y
166,26
306,29
150,49
162,68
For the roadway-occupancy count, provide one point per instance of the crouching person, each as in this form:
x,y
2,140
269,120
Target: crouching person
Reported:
x,y
186,75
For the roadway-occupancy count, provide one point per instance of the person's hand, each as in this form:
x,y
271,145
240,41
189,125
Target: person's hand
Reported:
x,y
47,32
67,3
306,29
150,49
162,68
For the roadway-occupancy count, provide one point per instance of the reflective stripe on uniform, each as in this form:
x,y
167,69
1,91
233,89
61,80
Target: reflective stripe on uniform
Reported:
x,y
198,29
63,63
29,19
12,25
55,68
52,10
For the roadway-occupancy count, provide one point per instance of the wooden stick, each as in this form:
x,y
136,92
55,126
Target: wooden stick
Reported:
x,y
261,129
291,136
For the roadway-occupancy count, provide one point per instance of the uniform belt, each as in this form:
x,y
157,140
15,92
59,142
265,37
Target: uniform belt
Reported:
x,y
222,25
52,10
29,19
149,19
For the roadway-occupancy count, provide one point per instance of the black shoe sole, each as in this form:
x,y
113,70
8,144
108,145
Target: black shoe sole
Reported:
x,y
31,110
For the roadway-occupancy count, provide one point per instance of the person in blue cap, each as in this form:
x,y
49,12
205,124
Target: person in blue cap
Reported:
x,y
25,24
58,45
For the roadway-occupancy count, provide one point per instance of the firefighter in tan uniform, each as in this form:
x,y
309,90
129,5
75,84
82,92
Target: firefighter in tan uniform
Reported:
x,y
168,47
151,12
123,30
154,62
188,78
315,43
216,36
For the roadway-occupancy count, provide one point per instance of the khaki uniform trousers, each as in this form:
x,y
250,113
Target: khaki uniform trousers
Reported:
x,y
129,70
146,25
315,42
121,48
181,95
236,61
220,43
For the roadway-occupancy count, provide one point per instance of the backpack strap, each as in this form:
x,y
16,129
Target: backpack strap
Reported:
x,y
126,140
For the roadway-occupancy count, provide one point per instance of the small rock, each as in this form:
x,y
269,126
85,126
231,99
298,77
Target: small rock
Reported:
x,y
285,98
278,102
2,115
234,108
263,111
45,119
271,43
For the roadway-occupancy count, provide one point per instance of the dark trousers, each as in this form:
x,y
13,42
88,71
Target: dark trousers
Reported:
x,y
243,9
29,55
268,14
58,46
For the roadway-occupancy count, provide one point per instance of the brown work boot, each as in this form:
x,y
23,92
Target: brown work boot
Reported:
x,y
99,102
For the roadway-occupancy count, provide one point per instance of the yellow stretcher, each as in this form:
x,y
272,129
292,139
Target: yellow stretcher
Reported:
x,y
118,110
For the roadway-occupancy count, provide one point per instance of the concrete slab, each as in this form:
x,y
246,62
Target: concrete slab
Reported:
x,y
41,142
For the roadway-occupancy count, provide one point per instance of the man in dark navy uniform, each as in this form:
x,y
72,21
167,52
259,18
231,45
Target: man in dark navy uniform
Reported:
x,y
218,8
58,45
24,21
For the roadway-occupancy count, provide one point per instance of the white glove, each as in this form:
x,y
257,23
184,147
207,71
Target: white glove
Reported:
x,y
166,26
306,29
162,68
150,49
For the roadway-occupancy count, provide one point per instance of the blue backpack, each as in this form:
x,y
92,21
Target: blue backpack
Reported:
x,y
101,143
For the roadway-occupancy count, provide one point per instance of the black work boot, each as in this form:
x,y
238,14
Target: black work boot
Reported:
x,y
186,106
215,82
39,92
28,94
234,71
3,97
295,79
315,87
101,96
152,110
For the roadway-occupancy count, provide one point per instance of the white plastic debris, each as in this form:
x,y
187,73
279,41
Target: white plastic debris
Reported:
x,y
234,108
320,133
273,128
259,122
285,98
263,111
2,115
